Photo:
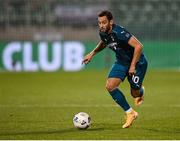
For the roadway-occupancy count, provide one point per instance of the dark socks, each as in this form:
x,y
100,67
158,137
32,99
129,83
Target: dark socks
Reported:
x,y
120,99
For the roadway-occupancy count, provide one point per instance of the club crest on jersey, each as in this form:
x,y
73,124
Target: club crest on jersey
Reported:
x,y
112,45
127,35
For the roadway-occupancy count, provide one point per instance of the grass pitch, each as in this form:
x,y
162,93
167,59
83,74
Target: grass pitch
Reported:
x,y
42,105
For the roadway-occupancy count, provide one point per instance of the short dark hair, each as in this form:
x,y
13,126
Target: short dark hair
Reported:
x,y
106,13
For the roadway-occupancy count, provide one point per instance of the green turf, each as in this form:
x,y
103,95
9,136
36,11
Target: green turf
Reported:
x,y
42,105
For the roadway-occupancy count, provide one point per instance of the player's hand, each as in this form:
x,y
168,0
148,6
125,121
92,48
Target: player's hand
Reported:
x,y
132,70
87,58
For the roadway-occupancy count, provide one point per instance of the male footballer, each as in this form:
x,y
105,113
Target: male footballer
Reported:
x,y
130,62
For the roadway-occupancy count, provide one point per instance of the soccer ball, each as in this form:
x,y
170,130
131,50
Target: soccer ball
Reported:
x,y
82,120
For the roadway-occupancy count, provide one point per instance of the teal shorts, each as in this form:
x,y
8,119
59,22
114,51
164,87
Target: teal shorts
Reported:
x,y
121,71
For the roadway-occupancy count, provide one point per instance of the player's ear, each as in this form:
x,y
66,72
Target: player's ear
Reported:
x,y
111,22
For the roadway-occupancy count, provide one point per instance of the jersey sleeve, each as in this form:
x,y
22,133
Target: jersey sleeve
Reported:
x,y
124,35
103,38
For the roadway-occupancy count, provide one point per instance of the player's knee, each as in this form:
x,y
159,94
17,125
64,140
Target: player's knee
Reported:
x,y
135,93
110,87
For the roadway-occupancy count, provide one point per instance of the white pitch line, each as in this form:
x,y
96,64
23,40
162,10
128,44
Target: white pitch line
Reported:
x,y
75,105
57,106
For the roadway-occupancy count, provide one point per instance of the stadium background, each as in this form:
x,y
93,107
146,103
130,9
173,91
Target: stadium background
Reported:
x,y
156,24
54,35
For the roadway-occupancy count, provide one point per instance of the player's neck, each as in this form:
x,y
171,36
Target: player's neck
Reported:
x,y
110,30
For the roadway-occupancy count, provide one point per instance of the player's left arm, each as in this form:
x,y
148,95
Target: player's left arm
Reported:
x,y
137,53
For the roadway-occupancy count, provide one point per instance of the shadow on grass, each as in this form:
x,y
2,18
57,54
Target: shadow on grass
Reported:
x,y
69,130
173,131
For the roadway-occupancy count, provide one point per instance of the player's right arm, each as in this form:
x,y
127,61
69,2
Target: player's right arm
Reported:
x,y
100,46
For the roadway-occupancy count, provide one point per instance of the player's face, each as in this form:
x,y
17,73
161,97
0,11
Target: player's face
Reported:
x,y
104,24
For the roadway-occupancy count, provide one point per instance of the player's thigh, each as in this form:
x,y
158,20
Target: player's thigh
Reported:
x,y
116,75
118,71
136,80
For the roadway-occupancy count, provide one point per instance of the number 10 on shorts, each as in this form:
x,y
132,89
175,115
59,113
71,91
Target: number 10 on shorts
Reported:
x,y
135,79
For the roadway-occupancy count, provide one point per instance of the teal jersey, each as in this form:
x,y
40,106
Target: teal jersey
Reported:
x,y
117,41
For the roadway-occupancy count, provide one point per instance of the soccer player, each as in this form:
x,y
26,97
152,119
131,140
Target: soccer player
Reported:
x,y
130,62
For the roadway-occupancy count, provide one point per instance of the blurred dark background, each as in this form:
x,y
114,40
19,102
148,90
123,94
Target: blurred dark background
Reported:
x,y
156,23
77,19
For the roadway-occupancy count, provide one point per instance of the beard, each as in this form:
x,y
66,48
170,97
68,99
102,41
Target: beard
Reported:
x,y
105,29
